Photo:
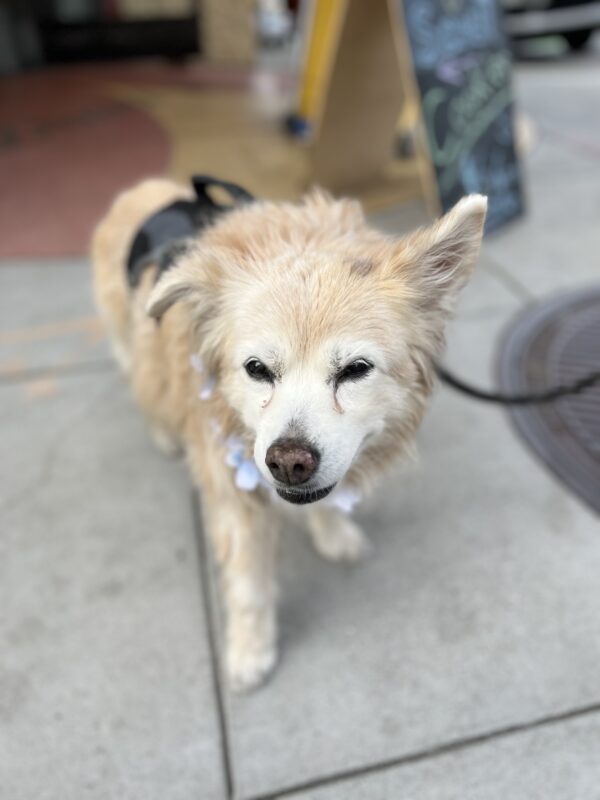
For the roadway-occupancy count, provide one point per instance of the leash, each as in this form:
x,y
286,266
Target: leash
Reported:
x,y
531,398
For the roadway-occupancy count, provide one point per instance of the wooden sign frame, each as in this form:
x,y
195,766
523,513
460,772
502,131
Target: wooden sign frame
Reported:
x,y
369,82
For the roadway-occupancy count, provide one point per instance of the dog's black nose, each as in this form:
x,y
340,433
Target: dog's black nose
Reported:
x,y
292,461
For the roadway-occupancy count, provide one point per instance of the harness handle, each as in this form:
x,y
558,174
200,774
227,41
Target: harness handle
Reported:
x,y
202,182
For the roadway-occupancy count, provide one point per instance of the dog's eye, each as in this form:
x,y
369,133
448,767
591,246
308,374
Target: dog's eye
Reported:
x,y
258,371
354,371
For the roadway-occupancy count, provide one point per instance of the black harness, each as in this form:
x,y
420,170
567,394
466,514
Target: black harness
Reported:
x,y
167,233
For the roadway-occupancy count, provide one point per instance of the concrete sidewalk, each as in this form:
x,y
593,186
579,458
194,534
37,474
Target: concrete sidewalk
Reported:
x,y
460,660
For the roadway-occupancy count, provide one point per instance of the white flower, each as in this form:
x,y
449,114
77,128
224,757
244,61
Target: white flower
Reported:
x,y
247,476
207,388
196,362
344,498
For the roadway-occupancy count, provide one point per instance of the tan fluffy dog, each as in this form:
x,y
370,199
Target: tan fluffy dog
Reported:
x,y
289,353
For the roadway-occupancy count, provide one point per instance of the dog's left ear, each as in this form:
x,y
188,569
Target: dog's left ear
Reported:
x,y
436,262
192,279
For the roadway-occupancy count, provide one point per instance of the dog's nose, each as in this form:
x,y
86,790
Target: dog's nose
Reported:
x,y
292,461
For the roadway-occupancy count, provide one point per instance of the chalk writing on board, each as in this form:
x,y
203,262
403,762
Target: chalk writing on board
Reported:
x,y
442,30
463,69
468,113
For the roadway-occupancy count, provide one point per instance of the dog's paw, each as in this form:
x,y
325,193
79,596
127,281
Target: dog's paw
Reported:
x,y
165,442
247,669
339,539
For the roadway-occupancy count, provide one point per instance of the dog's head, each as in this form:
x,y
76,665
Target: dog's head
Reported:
x,y
323,344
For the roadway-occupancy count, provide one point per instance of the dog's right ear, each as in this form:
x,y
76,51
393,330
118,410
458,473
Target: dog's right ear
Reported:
x,y
191,279
436,262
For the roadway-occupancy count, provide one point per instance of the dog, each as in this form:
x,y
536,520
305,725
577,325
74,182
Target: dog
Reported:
x,y
288,352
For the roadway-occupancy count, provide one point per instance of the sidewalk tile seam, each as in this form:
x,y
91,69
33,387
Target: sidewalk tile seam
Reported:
x,y
518,290
456,746
211,635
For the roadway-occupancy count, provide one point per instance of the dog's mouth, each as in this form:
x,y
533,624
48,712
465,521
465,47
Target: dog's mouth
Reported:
x,y
301,498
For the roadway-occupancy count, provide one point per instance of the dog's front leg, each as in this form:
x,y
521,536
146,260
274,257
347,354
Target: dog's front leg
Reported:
x,y
245,537
334,535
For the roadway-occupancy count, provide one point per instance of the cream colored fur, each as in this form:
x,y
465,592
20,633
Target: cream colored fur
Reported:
x,y
305,288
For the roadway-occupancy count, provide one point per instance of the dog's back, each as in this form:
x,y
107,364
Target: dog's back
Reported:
x,y
110,249
153,357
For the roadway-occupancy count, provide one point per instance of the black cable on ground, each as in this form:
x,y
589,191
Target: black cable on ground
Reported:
x,y
529,398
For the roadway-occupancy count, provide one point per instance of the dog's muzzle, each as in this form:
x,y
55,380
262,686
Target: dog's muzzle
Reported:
x,y
301,498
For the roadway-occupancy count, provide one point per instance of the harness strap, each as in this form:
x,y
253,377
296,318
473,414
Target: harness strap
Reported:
x,y
166,234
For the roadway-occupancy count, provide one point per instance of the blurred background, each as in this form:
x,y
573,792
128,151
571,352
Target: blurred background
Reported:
x,y
461,659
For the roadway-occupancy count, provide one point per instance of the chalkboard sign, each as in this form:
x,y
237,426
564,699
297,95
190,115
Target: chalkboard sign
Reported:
x,y
463,69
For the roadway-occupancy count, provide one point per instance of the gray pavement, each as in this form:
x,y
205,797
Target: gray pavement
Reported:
x,y
460,660
105,675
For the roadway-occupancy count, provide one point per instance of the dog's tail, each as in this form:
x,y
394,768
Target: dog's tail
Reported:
x,y
110,250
